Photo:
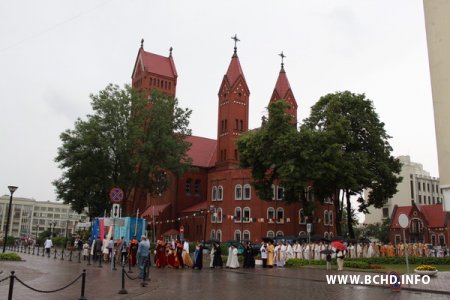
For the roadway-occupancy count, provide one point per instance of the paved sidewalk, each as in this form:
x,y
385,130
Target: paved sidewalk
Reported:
x,y
102,283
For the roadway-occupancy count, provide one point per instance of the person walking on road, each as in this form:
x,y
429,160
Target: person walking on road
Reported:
x,y
143,254
48,244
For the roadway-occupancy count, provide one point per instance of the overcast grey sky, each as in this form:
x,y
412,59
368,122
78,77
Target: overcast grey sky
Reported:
x,y
53,54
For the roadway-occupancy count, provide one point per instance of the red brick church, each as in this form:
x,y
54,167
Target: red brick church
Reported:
x,y
217,201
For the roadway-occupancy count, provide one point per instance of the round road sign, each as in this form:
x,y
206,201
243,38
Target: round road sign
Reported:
x,y
116,195
403,220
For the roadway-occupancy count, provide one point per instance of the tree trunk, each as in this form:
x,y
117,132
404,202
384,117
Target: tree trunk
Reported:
x,y
349,215
338,212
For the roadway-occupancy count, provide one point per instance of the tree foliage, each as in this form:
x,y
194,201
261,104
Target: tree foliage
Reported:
x,y
126,142
341,149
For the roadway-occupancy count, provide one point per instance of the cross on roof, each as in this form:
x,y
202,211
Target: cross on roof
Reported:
x,y
235,38
282,59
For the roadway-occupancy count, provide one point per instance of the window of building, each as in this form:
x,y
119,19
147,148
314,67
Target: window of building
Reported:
x,y
237,215
270,234
428,187
220,193
246,214
420,199
418,186
330,218
432,188
273,192
434,200
219,235
238,192
236,124
197,188
301,216
242,125
423,186
213,217
325,235
331,235
188,186
411,184
302,234
214,193
237,235
433,240
213,234
270,214
247,192
219,215
246,235
385,212
280,193
280,233
441,240
325,217
280,215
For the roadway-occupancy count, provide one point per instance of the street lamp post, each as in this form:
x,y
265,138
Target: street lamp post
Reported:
x,y
52,228
12,189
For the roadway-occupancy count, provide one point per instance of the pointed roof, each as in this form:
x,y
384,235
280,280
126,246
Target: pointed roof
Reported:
x,y
234,70
282,86
435,215
202,151
156,64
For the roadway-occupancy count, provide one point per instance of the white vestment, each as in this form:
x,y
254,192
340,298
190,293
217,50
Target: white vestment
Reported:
x,y
234,263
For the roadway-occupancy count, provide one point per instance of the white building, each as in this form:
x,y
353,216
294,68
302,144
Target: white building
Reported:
x,y
417,186
30,217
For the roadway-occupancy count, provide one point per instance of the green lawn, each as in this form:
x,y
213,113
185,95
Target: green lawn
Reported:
x,y
401,269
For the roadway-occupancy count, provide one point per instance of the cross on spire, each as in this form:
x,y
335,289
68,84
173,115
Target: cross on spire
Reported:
x,y
142,43
235,38
282,60
170,52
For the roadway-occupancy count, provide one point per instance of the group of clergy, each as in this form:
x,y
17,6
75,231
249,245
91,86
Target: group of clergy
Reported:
x,y
173,254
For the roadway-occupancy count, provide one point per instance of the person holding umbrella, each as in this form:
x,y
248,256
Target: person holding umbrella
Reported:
x,y
341,251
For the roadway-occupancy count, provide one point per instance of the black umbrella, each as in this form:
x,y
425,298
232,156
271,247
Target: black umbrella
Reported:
x,y
327,251
267,240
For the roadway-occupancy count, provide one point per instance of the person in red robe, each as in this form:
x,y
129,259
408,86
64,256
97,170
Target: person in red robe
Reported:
x,y
179,251
133,251
160,255
172,257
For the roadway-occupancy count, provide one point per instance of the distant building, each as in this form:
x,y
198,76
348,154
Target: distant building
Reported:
x,y
30,217
416,187
428,224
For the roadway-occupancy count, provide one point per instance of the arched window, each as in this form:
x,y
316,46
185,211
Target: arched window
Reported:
x,y
325,217
213,234
331,235
246,215
220,193
280,233
219,235
280,215
270,234
238,192
237,215
302,234
213,218
270,214
247,192
219,215
280,193
330,217
433,240
441,240
246,235
237,235
325,235
214,193
197,188
188,186
301,216
273,192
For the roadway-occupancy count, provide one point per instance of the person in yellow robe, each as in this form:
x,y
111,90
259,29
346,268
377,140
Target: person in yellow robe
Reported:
x,y
270,254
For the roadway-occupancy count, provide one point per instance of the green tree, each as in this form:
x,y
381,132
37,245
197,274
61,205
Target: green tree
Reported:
x,y
354,152
127,142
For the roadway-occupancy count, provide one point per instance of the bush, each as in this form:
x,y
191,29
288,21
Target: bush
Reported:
x,y
394,260
297,262
356,264
10,256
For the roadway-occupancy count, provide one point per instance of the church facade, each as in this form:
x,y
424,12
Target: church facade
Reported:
x,y
217,200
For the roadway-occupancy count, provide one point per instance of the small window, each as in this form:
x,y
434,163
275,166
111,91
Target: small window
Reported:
x,y
214,193
237,215
219,215
237,235
214,217
330,217
219,235
273,192
280,215
246,215
302,234
236,124
270,214
270,234
188,186
280,193
220,193
325,235
238,192
325,217
385,212
247,192
242,125
213,234
246,235
280,233
331,235
197,188
301,217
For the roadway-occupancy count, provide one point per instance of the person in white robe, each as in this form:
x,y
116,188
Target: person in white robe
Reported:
x,y
359,250
234,262
370,250
230,249
297,248
316,251
351,251
280,254
211,256
322,247
289,251
306,251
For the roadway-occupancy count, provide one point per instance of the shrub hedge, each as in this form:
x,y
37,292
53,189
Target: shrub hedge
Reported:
x,y
386,260
10,256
